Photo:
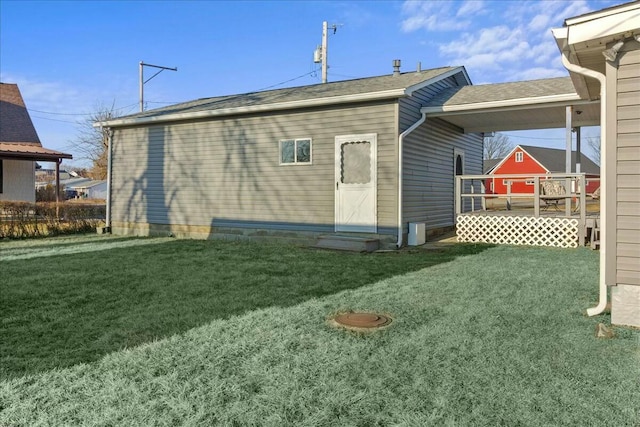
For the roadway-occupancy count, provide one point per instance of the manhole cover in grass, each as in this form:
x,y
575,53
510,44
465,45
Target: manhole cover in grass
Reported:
x,y
362,320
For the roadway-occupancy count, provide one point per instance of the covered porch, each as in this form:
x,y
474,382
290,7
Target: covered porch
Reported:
x,y
566,219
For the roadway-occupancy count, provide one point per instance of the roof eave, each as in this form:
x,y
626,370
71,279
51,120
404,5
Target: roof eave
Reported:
x,y
306,103
35,157
507,104
409,90
604,23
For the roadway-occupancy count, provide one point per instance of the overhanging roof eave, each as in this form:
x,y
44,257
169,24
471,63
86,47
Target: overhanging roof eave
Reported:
x,y
506,105
35,157
306,103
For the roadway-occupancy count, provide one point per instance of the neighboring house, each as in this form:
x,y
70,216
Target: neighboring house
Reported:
x,y
88,189
344,157
20,148
525,159
602,52
49,175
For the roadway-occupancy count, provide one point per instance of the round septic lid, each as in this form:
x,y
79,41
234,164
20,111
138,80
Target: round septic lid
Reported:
x,y
362,320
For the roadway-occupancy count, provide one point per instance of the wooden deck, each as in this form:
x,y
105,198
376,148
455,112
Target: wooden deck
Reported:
x,y
538,218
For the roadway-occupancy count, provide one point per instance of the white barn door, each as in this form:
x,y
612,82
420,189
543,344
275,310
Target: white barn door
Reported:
x,y
356,183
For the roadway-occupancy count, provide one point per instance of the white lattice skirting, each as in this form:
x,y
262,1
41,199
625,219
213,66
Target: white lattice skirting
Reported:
x,y
518,230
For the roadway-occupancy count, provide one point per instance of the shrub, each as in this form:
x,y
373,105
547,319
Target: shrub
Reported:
x,y
48,194
22,219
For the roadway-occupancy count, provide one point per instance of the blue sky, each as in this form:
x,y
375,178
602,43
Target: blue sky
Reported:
x,y
70,57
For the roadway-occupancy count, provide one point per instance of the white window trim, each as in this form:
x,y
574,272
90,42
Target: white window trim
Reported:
x,y
519,157
295,152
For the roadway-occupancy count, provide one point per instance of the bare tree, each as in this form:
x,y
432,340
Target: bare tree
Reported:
x,y
594,144
496,146
93,142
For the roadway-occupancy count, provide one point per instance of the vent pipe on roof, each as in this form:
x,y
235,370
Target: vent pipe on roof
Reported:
x,y
396,67
419,68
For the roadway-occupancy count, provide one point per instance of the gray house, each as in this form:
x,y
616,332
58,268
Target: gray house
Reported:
x,y
354,157
601,50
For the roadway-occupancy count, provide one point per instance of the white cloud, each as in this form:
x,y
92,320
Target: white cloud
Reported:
x,y
470,7
432,16
536,73
47,95
539,22
499,43
516,40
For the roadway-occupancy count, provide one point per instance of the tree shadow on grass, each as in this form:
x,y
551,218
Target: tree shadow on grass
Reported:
x,y
64,310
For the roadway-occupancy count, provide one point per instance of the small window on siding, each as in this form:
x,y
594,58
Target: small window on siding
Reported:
x,y
458,159
519,157
295,151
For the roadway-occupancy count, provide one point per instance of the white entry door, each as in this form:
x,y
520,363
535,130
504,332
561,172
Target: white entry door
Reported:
x,y
356,201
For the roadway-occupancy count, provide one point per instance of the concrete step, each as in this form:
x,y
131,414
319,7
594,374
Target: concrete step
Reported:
x,y
348,243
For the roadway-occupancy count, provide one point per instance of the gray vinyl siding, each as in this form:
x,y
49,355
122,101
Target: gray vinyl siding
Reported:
x,y
428,171
410,107
428,160
226,172
628,166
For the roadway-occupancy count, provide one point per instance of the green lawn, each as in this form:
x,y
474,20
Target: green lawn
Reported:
x,y
58,311
218,333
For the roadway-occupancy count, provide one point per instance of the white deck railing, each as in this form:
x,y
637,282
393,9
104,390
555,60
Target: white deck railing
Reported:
x,y
546,190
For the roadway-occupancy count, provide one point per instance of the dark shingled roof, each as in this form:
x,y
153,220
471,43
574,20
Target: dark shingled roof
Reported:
x,y
489,164
300,93
15,124
554,159
18,136
503,92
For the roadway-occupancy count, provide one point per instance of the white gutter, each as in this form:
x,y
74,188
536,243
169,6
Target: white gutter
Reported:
x,y
109,155
603,174
509,104
400,172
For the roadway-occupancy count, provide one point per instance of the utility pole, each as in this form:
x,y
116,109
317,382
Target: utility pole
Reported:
x,y
143,81
321,54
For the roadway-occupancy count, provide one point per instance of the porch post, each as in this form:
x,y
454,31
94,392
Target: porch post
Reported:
x,y
568,141
578,153
567,181
58,189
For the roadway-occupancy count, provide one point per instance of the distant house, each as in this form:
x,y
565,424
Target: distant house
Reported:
x,y
88,189
20,148
353,157
526,159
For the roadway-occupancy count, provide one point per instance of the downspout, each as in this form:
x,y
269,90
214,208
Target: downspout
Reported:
x,y
109,155
400,172
603,175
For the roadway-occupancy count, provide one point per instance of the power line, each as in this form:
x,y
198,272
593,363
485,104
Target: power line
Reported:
x,y
57,114
155,102
54,120
290,80
74,114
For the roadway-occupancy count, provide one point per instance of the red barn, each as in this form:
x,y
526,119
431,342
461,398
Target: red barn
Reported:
x,y
526,159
